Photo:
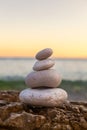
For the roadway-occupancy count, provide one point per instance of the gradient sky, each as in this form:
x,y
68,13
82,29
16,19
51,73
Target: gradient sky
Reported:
x,y
27,26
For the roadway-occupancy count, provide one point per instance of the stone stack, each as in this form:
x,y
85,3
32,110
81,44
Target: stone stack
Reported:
x,y
43,82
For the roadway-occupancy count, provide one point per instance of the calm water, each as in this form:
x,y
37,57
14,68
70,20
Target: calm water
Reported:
x,y
19,68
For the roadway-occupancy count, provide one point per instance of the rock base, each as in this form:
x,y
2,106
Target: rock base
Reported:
x,y
17,116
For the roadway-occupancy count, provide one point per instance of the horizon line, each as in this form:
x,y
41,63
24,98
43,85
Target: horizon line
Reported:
x,y
26,57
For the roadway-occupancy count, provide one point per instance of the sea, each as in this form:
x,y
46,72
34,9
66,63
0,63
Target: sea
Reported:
x,y
18,68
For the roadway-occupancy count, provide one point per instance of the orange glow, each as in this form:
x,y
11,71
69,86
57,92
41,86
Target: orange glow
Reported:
x,y
64,45
62,50
27,28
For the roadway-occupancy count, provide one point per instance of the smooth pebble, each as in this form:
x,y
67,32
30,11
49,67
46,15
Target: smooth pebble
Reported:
x,y
44,54
43,97
46,78
43,64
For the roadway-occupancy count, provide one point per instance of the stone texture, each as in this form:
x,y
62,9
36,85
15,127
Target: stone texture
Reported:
x,y
46,78
17,116
43,54
43,97
43,64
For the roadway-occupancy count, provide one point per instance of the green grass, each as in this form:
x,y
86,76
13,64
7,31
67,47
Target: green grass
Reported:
x,y
12,85
67,85
77,90
74,86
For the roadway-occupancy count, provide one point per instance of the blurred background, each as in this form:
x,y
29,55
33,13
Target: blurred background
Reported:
x,y
28,26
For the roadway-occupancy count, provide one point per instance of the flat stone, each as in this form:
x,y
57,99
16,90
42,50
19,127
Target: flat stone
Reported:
x,y
46,78
43,64
43,97
44,54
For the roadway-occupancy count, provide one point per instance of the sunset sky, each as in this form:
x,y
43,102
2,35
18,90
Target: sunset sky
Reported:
x,y
27,26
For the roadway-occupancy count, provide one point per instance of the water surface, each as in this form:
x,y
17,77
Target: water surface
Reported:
x,y
69,69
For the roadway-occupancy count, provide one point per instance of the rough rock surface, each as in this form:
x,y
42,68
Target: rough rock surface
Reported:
x,y
16,116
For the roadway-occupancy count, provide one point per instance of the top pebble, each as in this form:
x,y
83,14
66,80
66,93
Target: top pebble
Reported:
x,y
44,54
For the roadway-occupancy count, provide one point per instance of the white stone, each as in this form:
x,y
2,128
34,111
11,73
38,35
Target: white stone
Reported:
x,y
46,78
43,97
43,54
43,64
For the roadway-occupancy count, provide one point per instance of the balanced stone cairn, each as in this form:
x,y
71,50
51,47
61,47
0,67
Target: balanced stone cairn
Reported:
x,y
43,82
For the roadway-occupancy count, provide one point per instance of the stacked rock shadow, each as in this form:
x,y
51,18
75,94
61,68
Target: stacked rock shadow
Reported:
x,y
43,83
